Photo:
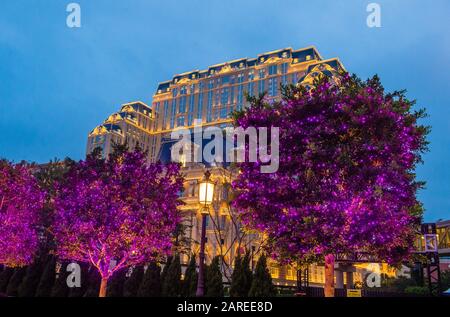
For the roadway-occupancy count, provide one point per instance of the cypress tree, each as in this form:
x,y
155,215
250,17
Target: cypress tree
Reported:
x,y
190,278
214,284
47,279
262,281
151,284
115,284
172,281
5,276
93,283
60,288
131,285
241,279
165,269
31,279
236,277
15,281
246,262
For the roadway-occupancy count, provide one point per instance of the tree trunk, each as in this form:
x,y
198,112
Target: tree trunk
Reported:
x,y
329,275
103,285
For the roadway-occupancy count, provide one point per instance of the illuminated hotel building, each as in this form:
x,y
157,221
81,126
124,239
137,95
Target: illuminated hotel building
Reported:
x,y
131,125
210,96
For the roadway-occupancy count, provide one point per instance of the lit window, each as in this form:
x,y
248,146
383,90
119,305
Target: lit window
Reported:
x,y
261,86
272,69
224,97
182,104
274,271
262,73
273,87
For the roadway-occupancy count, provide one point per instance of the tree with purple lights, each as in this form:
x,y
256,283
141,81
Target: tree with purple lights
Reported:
x,y
346,180
21,201
118,212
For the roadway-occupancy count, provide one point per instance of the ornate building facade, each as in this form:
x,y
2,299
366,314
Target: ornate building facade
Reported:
x,y
208,97
131,125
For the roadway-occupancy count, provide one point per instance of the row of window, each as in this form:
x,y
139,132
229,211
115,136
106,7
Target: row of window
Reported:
x,y
224,100
276,69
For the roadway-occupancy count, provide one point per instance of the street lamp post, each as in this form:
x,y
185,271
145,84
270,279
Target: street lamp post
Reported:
x,y
206,192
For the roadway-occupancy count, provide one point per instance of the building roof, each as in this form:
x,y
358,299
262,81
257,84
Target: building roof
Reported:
x,y
106,128
298,56
137,106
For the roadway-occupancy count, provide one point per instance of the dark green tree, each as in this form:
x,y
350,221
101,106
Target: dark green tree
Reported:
x,y
236,277
151,284
44,288
246,266
116,284
60,288
15,281
165,269
262,285
5,276
445,279
241,279
214,284
190,278
93,283
172,281
31,279
131,285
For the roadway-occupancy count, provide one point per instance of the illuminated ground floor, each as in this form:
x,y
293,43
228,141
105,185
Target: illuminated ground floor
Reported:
x,y
226,237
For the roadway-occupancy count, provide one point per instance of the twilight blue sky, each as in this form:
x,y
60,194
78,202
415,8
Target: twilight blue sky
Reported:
x,y
57,83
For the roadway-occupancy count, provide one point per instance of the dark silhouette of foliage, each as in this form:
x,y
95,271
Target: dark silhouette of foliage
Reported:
x,y
31,279
116,284
190,278
241,279
5,276
165,270
262,285
214,283
60,288
44,288
93,283
151,284
15,281
172,281
131,285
